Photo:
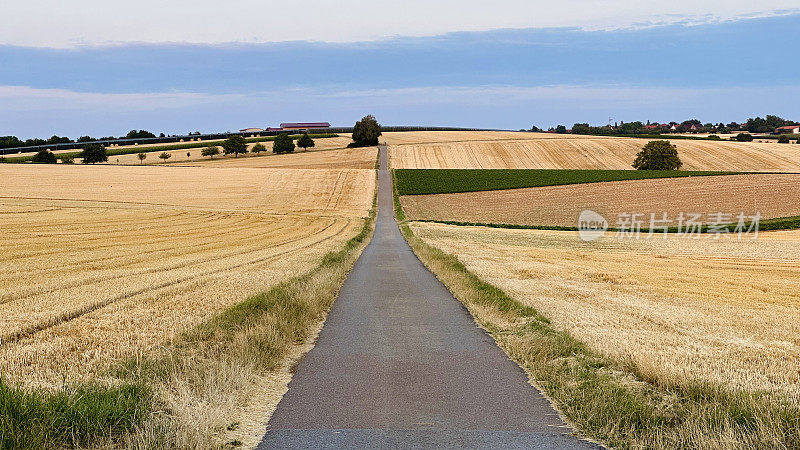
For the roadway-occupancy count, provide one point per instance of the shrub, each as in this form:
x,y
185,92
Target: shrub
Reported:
x,y
94,153
165,156
283,144
658,155
714,137
44,157
141,156
366,132
67,159
783,139
235,145
258,148
305,141
210,150
744,137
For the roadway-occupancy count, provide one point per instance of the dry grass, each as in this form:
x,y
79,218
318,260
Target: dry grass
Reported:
x,y
103,262
679,311
356,158
493,150
773,195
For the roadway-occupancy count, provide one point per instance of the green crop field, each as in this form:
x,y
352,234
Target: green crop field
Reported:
x,y
446,181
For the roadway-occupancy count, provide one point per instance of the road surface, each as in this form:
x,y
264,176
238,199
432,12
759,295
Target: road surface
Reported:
x,y
400,363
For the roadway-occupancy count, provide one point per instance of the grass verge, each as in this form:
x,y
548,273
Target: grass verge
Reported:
x,y
448,181
72,417
615,402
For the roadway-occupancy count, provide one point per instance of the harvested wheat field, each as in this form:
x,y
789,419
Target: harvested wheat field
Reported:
x,y
262,191
773,195
348,158
725,311
486,150
179,156
101,263
430,137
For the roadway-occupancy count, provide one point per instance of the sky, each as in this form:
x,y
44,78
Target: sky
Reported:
x,y
105,67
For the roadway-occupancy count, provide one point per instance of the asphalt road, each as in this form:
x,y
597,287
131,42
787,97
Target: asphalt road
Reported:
x,y
400,363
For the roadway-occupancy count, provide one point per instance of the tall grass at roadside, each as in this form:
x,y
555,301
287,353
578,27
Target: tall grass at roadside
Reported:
x,y
71,417
615,402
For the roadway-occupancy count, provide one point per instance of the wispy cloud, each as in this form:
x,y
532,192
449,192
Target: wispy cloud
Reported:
x,y
59,24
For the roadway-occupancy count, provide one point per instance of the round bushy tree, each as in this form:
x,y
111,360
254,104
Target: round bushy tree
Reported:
x,y
44,157
366,132
305,141
283,144
258,148
93,153
234,144
744,137
658,155
211,150
783,139
165,156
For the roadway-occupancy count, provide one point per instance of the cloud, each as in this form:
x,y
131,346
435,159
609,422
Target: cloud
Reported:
x,y
35,112
26,98
59,24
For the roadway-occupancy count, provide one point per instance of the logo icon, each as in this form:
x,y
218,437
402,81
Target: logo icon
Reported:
x,y
591,225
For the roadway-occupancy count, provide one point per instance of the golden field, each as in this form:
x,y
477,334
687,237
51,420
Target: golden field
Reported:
x,y
508,150
772,195
346,158
724,311
180,156
101,263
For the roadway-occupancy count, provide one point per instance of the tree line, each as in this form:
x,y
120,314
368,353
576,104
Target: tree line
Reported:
x,y
752,125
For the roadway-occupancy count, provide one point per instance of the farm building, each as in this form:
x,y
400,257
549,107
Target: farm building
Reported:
x,y
251,130
305,126
791,129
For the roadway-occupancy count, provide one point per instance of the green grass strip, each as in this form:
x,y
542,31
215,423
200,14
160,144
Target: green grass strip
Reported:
x,y
70,417
446,181
779,223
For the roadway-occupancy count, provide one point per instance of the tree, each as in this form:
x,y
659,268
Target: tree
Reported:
x,y
784,139
744,137
234,144
165,156
305,141
366,132
658,155
86,139
561,129
581,128
44,157
211,150
137,134
535,129
283,144
93,153
141,157
258,148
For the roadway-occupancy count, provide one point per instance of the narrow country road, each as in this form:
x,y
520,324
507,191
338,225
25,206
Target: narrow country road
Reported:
x,y
400,363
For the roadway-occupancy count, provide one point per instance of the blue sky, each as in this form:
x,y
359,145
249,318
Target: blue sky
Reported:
x,y
711,69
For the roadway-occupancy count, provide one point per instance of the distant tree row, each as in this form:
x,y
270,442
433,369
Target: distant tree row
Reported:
x,y
752,125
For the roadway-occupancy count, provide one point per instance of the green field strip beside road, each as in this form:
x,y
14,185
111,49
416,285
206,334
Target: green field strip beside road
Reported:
x,y
776,224
111,151
449,181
